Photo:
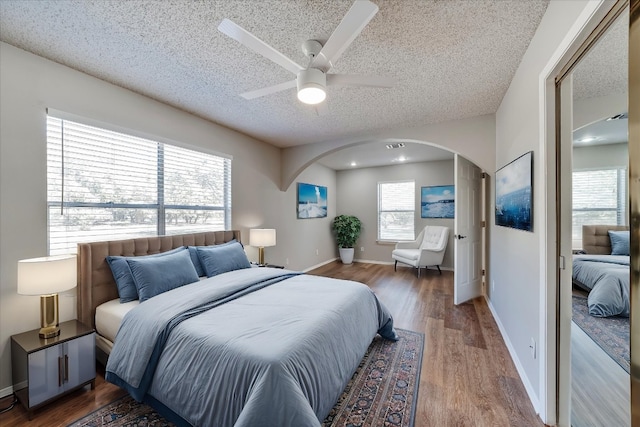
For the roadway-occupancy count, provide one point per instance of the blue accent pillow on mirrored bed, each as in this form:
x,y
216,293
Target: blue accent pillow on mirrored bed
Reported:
x,y
220,259
619,242
122,274
155,275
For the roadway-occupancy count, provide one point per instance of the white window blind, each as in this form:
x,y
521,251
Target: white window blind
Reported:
x,y
396,208
111,185
598,198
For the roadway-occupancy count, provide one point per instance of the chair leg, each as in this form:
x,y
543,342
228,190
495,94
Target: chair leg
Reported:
x,y
395,266
418,272
439,271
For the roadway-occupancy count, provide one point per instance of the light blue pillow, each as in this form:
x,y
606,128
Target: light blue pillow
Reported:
x,y
122,274
619,242
196,261
219,259
155,275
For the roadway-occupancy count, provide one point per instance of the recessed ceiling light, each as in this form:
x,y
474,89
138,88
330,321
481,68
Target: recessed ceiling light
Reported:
x,y
396,145
399,159
353,163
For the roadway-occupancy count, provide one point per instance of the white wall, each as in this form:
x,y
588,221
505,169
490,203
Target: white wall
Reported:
x,y
359,196
601,156
29,84
517,279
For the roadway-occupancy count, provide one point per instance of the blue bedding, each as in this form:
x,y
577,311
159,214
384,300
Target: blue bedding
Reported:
x,y
607,279
257,346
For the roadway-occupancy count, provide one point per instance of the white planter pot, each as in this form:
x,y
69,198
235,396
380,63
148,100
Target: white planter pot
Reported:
x,y
346,255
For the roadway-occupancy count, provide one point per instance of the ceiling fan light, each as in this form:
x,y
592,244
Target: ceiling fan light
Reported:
x,y
311,86
312,95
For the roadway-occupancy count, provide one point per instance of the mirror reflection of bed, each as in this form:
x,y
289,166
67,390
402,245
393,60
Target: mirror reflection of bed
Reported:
x,y
600,327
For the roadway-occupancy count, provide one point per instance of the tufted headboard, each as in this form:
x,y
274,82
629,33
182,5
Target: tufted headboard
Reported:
x,y
95,281
595,238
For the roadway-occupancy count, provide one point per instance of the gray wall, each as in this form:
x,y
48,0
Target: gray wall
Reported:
x,y
601,156
358,196
517,281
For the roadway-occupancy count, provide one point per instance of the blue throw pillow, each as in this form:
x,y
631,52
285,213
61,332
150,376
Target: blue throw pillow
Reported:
x,y
196,261
122,274
619,242
219,259
155,275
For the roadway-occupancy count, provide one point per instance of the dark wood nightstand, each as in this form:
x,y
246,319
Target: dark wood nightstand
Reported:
x,y
46,369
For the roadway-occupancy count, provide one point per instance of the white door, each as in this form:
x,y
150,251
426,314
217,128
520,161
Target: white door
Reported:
x,y
468,231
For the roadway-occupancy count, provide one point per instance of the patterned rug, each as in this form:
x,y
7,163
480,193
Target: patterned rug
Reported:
x,y
382,392
610,333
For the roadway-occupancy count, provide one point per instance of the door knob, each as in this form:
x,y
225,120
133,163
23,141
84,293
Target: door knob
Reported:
x,y
459,236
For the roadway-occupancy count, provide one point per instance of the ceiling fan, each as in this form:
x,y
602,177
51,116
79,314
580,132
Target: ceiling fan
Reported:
x,y
311,82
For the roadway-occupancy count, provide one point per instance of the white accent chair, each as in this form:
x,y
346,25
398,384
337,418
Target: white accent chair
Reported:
x,y
428,249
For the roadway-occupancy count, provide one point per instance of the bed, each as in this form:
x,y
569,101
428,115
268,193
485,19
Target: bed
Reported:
x,y
602,269
246,347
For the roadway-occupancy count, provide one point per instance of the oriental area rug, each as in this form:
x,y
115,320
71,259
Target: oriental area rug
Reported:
x,y
382,392
610,333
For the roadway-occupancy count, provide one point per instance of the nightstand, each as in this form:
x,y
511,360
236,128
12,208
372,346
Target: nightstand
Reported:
x,y
46,369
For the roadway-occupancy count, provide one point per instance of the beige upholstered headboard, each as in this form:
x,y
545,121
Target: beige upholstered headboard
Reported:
x,y
595,238
95,281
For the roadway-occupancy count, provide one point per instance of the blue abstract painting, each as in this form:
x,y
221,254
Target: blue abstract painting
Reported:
x,y
437,201
514,193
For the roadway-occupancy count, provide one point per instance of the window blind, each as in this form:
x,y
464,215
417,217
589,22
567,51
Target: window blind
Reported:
x,y
104,185
598,198
396,208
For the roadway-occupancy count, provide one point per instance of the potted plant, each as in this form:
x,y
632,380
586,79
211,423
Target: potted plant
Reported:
x,y
347,230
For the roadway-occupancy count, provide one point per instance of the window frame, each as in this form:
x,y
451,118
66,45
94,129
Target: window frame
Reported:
x,y
620,210
160,207
411,211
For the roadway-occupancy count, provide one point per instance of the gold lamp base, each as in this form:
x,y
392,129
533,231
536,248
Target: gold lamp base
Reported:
x,y
261,255
49,316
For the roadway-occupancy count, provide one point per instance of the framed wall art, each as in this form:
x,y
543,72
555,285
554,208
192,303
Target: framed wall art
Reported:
x,y
437,201
514,193
312,201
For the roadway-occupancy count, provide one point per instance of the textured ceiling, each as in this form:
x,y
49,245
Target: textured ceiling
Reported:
x,y
605,68
451,59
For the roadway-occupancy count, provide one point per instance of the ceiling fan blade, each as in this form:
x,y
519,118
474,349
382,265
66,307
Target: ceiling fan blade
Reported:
x,y
349,28
359,80
244,37
269,90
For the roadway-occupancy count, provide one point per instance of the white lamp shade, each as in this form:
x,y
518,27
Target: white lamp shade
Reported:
x,y
47,275
262,237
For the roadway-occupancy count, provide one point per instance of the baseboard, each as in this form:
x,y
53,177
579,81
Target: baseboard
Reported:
x,y
516,361
7,391
319,265
370,261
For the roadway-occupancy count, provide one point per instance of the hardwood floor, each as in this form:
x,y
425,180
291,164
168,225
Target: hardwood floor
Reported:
x,y
467,376
600,388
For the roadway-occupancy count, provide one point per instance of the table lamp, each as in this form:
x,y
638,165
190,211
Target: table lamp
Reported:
x,y
262,237
46,277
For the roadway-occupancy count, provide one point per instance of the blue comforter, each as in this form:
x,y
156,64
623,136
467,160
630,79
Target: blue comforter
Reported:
x,y
252,347
607,278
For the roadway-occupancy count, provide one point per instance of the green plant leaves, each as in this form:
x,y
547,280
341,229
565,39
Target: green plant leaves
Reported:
x,y
347,230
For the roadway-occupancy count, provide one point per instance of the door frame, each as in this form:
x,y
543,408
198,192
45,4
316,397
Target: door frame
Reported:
x,y
555,377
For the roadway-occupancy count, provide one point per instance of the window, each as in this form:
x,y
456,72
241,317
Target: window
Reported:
x,y
598,198
109,185
396,207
